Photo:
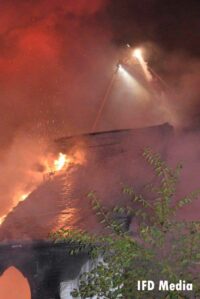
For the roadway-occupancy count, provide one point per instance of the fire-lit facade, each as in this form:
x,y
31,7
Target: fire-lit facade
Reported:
x,y
102,162
61,201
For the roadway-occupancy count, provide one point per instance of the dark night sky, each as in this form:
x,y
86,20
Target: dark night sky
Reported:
x,y
173,24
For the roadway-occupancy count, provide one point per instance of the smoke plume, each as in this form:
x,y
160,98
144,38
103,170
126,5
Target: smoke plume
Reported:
x,y
56,59
53,68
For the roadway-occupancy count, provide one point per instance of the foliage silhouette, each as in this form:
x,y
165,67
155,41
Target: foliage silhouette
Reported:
x,y
162,248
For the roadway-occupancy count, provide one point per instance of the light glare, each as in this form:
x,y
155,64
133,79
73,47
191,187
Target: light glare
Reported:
x,y
137,53
60,162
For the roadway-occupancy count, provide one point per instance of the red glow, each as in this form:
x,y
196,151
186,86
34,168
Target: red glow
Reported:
x,y
14,285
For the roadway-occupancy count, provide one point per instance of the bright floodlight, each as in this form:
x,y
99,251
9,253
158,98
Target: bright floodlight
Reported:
x,y
119,66
137,53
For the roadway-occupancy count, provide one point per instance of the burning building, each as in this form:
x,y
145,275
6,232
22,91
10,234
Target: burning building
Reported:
x,y
102,162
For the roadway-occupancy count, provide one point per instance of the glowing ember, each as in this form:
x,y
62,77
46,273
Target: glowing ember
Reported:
x,y
60,162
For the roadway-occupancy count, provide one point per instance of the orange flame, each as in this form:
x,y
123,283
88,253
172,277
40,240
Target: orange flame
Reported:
x,y
24,196
18,199
52,167
60,162
2,218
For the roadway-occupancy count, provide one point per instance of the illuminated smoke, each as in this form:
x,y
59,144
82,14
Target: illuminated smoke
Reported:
x,y
56,58
130,83
46,46
137,53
